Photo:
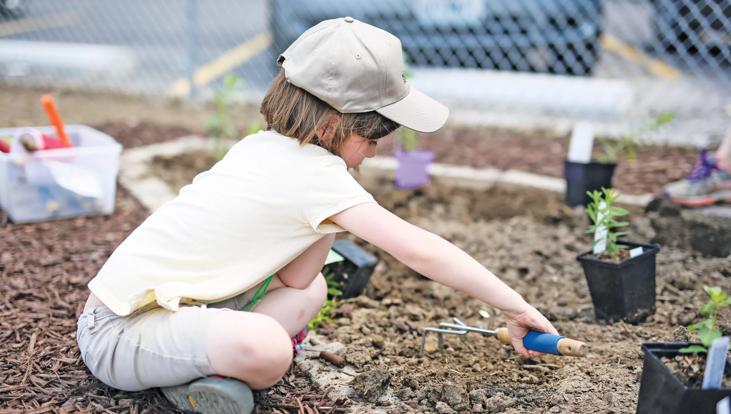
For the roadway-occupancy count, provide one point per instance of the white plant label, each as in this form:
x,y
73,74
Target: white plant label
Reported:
x,y
724,406
333,257
600,234
635,252
715,363
582,142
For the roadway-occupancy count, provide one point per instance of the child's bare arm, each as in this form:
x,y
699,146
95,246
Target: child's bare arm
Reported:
x,y
442,262
427,254
299,272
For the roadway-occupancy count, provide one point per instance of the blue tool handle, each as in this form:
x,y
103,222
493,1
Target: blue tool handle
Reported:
x,y
542,342
547,343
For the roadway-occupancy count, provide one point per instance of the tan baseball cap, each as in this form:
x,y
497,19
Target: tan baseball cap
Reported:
x,y
356,67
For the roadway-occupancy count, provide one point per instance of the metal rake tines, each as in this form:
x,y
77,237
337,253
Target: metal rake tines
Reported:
x,y
456,328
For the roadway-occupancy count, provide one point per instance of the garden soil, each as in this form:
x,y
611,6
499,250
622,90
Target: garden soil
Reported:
x,y
528,238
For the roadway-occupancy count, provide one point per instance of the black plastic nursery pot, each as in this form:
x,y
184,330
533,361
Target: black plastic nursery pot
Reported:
x,y
355,271
661,392
583,177
622,291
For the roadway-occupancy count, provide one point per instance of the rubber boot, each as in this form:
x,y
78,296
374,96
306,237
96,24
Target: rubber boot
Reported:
x,y
214,394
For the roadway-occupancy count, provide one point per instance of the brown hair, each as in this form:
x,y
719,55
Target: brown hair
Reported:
x,y
296,113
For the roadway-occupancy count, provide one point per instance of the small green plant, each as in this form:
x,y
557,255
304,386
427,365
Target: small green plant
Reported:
x,y
220,126
407,137
604,216
331,303
626,145
706,329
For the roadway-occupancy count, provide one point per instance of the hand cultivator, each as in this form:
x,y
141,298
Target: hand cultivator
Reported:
x,y
534,340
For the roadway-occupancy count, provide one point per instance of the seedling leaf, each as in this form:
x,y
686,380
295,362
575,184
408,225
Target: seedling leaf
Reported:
x,y
627,145
334,291
717,295
604,224
706,329
693,349
705,310
708,336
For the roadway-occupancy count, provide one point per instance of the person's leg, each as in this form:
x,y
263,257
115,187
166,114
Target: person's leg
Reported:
x,y
245,350
709,182
294,308
723,155
250,347
159,348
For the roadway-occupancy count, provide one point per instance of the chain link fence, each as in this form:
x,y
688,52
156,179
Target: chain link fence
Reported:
x,y
611,60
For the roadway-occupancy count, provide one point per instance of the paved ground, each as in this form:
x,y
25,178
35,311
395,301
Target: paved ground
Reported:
x,y
143,47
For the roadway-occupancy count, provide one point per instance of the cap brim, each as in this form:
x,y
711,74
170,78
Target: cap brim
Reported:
x,y
417,111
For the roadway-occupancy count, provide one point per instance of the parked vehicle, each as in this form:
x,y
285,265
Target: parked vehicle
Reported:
x,y
695,29
559,36
10,7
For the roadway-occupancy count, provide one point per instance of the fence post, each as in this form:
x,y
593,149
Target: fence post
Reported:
x,y
191,44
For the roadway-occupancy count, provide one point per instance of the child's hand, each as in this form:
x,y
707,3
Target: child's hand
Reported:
x,y
520,322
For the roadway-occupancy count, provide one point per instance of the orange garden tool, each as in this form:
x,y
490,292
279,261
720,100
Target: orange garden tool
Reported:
x,y
50,106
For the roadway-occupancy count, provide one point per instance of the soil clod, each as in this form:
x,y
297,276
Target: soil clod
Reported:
x,y
371,385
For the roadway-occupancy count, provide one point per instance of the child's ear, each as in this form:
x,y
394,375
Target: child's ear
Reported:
x,y
326,130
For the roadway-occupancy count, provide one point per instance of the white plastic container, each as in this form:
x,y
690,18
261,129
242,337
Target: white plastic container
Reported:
x,y
59,183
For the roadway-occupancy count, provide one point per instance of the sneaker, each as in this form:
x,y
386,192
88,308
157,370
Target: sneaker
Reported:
x,y
214,394
704,186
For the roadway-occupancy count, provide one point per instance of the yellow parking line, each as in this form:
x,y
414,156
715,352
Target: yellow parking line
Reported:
x,y
31,24
223,64
654,66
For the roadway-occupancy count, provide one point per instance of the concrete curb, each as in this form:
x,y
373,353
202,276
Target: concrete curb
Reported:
x,y
134,174
153,192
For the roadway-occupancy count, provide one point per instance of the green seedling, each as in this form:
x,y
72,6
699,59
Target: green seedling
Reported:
x,y
706,330
627,145
324,316
407,136
220,126
604,216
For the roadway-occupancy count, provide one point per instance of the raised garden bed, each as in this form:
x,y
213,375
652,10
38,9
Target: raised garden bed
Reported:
x,y
538,152
527,237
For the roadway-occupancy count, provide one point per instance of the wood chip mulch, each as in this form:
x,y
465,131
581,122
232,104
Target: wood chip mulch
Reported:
x,y
44,269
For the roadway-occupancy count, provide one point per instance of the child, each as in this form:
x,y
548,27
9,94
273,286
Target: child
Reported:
x,y
178,301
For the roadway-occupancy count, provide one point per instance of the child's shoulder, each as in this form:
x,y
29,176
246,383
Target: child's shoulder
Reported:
x,y
268,136
269,143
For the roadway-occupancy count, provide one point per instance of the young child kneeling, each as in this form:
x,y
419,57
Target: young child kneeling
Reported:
x,y
177,304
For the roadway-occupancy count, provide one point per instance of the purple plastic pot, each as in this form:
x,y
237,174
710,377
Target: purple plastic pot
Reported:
x,y
411,168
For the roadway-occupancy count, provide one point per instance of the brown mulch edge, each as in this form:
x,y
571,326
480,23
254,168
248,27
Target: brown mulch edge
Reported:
x,y
538,152
544,153
141,133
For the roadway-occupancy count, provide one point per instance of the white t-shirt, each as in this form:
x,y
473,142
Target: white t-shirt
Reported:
x,y
247,217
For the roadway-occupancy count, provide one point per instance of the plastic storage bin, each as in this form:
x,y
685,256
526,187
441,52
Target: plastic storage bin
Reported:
x,y
59,183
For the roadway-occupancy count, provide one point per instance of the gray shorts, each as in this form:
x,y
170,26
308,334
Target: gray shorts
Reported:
x,y
150,348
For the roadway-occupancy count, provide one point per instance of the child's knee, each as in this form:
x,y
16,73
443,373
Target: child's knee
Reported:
x,y
270,362
268,355
252,347
318,290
